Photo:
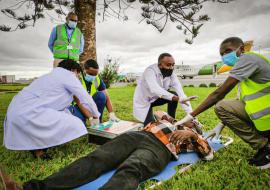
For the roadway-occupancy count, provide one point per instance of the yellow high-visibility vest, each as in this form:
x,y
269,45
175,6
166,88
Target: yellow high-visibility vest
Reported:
x,y
94,86
257,100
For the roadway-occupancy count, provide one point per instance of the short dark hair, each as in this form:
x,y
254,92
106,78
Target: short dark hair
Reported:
x,y
91,63
71,13
235,41
161,56
69,64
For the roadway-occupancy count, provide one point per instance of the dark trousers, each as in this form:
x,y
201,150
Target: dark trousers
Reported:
x,y
136,155
100,100
171,109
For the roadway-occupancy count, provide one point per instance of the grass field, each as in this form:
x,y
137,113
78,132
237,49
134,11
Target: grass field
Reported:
x,y
228,170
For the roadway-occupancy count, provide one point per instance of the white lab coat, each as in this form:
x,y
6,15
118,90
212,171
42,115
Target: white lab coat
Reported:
x,y
38,118
152,86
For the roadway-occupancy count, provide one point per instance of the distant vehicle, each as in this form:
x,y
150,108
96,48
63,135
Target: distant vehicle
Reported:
x,y
186,71
190,71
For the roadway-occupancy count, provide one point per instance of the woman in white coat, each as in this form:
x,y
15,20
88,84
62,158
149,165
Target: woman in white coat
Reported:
x,y
37,117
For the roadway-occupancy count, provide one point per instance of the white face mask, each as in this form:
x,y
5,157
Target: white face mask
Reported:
x,y
72,24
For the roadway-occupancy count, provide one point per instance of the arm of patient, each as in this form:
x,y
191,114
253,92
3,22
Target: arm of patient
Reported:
x,y
201,145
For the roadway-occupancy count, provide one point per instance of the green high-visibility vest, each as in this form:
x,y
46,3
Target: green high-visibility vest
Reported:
x,y
257,100
94,86
62,44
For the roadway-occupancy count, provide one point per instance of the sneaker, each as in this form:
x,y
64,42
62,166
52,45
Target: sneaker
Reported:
x,y
262,158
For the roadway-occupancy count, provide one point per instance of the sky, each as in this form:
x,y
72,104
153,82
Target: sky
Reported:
x,y
137,45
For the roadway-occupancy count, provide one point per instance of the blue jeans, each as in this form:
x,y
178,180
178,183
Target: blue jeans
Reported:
x,y
100,100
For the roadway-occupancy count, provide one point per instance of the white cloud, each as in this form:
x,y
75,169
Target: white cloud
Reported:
x,y
26,54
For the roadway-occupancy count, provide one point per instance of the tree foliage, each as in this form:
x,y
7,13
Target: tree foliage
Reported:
x,y
158,13
109,73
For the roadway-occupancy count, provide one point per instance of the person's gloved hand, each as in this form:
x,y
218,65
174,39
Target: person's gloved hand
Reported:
x,y
215,133
113,118
187,99
94,121
187,118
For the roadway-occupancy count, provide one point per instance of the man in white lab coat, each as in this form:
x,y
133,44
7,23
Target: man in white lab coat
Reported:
x,y
154,89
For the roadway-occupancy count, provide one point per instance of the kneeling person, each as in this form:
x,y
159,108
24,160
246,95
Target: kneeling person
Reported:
x,y
135,162
97,89
154,89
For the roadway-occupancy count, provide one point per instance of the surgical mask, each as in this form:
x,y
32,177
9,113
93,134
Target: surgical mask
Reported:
x,y
72,24
89,78
166,72
231,58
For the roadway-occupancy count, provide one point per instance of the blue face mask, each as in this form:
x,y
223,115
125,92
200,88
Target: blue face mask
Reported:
x,y
72,24
89,78
231,58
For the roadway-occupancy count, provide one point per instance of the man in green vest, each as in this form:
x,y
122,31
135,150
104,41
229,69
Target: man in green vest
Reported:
x,y
97,89
249,116
66,40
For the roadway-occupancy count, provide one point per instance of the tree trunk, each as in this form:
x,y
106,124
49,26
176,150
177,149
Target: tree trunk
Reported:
x,y
86,11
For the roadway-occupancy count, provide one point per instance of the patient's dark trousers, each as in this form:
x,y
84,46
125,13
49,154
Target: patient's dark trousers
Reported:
x,y
136,156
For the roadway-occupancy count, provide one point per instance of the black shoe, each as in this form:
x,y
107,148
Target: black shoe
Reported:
x,y
262,158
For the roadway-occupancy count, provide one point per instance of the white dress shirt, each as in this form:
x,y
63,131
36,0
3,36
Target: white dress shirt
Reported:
x,y
152,86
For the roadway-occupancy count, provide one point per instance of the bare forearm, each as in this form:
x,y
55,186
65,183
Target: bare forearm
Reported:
x,y
84,111
109,105
216,96
108,102
211,100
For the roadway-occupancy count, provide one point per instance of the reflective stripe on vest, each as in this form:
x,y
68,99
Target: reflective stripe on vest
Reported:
x,y
257,100
94,86
60,47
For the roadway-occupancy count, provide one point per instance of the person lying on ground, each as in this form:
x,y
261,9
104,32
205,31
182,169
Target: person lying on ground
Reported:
x,y
137,156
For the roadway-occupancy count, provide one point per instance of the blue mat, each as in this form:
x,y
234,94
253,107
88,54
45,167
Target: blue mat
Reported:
x,y
167,173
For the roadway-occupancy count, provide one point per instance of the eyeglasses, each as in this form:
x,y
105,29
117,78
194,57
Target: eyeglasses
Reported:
x,y
73,20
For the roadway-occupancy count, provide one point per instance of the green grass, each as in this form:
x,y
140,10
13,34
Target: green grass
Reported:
x,y
228,170
11,87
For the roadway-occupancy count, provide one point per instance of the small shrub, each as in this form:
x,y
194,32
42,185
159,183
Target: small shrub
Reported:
x,y
203,85
212,84
191,85
110,71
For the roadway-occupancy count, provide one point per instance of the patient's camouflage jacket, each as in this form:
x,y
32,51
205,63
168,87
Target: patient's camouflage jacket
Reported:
x,y
163,128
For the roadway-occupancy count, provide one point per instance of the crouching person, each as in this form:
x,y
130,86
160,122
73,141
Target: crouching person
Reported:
x,y
37,117
136,162
96,88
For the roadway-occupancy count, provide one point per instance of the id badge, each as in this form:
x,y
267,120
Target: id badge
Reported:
x,y
69,46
